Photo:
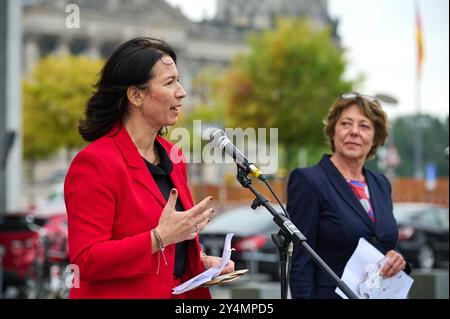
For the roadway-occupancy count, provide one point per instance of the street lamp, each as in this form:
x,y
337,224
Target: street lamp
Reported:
x,y
10,102
389,155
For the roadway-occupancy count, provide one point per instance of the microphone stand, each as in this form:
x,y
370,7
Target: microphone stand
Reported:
x,y
282,243
288,232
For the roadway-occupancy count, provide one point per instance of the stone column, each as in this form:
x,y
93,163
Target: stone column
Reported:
x,y
63,47
94,37
31,53
93,50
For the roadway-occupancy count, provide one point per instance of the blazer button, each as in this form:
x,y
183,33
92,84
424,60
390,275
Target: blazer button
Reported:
x,y
374,240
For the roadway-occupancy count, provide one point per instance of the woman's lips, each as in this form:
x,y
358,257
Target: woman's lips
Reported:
x,y
175,108
351,144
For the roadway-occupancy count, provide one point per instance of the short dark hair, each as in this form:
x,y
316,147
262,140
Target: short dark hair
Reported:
x,y
371,109
130,64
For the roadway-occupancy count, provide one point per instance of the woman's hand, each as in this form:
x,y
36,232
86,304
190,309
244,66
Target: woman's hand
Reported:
x,y
175,227
213,261
393,265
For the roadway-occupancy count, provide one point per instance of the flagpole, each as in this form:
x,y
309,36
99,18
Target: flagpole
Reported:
x,y
418,135
418,138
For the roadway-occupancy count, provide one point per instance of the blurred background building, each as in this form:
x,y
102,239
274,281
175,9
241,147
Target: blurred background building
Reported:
x,y
105,24
39,30
108,23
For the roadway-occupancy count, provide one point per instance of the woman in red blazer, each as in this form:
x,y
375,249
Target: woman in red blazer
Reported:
x,y
133,226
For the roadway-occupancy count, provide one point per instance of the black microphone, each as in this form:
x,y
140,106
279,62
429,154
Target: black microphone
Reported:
x,y
446,153
220,139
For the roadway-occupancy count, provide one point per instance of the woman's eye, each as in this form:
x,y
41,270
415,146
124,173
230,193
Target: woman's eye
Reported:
x,y
173,81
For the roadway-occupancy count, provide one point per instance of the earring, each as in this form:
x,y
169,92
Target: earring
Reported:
x,y
139,106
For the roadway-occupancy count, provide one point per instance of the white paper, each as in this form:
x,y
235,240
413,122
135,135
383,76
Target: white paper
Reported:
x,y
361,274
210,273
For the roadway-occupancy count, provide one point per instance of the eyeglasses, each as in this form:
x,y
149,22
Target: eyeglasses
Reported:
x,y
355,95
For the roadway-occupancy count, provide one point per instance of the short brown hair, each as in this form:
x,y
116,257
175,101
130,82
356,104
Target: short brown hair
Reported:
x,y
371,109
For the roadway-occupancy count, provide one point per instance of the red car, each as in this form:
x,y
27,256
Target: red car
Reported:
x,y
34,255
23,254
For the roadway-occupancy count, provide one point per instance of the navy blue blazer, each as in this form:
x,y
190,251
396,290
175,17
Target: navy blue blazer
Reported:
x,y
324,208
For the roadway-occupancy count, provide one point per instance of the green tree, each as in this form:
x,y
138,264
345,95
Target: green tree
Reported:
x,y
435,139
210,106
288,80
54,97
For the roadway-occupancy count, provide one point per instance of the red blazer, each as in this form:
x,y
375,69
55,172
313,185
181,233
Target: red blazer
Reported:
x,y
112,204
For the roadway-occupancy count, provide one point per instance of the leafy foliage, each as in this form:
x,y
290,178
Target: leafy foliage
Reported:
x,y
435,139
288,80
54,97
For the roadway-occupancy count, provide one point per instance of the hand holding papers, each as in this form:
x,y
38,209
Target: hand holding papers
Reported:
x,y
377,287
211,273
229,277
361,274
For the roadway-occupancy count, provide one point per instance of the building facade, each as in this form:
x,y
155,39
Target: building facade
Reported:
x,y
104,24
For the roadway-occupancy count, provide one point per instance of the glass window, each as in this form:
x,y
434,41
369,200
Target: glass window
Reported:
x,y
442,218
107,49
47,45
78,46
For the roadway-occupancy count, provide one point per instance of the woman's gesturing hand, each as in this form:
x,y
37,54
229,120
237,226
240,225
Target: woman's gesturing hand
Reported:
x,y
175,226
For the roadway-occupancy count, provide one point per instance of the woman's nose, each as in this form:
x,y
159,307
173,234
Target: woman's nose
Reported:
x,y
354,130
180,93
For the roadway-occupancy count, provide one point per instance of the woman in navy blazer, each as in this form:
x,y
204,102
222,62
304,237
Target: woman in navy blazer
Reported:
x,y
338,201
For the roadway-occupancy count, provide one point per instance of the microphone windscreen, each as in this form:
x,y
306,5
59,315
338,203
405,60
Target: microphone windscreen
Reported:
x,y
215,133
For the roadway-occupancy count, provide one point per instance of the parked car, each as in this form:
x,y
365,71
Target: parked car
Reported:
x,y
423,234
252,239
23,256
34,256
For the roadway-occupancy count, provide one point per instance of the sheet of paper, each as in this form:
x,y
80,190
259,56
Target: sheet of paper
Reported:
x,y
208,274
361,274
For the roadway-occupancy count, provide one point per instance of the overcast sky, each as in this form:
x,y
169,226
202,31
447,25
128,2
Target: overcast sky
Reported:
x,y
380,39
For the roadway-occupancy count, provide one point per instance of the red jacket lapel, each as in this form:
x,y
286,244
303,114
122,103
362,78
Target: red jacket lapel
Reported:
x,y
137,166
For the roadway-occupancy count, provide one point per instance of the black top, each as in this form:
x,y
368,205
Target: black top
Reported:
x,y
161,176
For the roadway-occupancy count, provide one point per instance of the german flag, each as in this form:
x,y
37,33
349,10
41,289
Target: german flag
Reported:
x,y
420,45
